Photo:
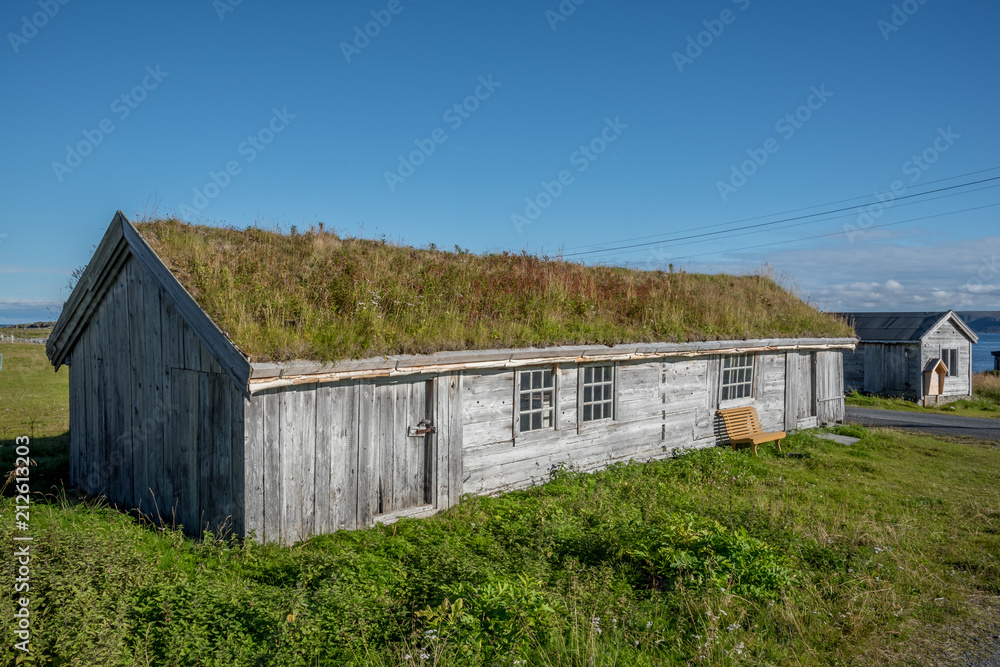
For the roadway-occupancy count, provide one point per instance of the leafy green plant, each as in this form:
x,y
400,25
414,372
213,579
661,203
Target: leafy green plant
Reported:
x,y
681,549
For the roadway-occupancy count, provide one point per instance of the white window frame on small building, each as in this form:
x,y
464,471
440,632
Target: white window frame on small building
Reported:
x,y
948,356
737,379
532,393
606,387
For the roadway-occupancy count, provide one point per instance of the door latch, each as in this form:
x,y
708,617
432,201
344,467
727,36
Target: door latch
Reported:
x,y
423,427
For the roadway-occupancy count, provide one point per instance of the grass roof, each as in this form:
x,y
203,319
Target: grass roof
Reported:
x,y
316,295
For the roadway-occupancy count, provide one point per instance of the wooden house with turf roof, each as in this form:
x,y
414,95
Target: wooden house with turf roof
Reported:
x,y
285,385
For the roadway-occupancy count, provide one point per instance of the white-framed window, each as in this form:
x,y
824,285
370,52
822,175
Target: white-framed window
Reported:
x,y
597,390
950,358
536,389
737,376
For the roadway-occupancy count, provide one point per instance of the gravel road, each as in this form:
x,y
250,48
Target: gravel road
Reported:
x,y
943,424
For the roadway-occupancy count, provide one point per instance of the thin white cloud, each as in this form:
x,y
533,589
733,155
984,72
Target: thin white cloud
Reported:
x,y
909,272
28,304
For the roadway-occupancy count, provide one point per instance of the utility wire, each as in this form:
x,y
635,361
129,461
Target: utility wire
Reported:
x,y
821,236
774,222
771,215
831,219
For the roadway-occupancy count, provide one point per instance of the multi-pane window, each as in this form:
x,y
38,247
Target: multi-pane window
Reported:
x,y
538,400
950,359
598,392
737,376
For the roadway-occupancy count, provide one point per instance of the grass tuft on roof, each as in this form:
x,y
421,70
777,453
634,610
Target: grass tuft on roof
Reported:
x,y
316,295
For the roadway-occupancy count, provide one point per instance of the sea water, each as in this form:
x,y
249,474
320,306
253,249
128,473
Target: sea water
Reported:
x,y
982,360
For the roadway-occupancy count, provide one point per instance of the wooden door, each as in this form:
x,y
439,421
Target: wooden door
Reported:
x,y
404,444
807,385
800,390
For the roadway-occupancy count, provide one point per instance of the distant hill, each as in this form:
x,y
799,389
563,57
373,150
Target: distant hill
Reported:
x,y
982,321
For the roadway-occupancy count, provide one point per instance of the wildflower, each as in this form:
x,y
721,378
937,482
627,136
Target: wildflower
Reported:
x,y
649,624
407,657
734,626
424,656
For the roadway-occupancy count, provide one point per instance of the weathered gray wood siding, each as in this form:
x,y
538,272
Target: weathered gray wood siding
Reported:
x,y
891,368
662,407
854,369
948,336
829,387
313,454
156,424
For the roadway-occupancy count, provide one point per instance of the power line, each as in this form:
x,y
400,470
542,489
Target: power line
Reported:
x,y
771,215
775,222
821,236
835,217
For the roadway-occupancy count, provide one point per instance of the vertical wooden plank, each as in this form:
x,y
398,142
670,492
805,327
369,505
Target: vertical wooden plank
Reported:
x,y
714,379
152,370
204,454
253,463
456,450
138,384
237,461
325,443
98,338
291,488
110,441
442,439
74,425
410,465
273,502
306,472
346,469
222,442
791,390
173,428
116,407
85,363
367,473
385,403
124,383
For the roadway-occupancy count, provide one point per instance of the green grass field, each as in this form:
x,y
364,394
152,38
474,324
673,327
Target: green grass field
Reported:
x,y
880,553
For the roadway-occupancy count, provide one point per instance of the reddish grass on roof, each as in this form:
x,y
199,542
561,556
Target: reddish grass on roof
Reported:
x,y
317,295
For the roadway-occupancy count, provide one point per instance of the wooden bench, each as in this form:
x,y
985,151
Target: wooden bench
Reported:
x,y
743,428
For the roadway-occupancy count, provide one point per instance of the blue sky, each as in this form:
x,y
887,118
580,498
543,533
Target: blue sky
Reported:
x,y
545,126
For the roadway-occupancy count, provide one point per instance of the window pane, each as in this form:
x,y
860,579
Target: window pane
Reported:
x,y
536,401
525,422
607,410
588,413
525,381
599,374
588,375
548,378
536,421
525,402
599,392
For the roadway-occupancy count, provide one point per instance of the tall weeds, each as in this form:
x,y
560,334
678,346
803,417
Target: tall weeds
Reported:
x,y
317,295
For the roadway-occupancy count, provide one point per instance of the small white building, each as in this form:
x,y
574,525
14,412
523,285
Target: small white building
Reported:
x,y
926,357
